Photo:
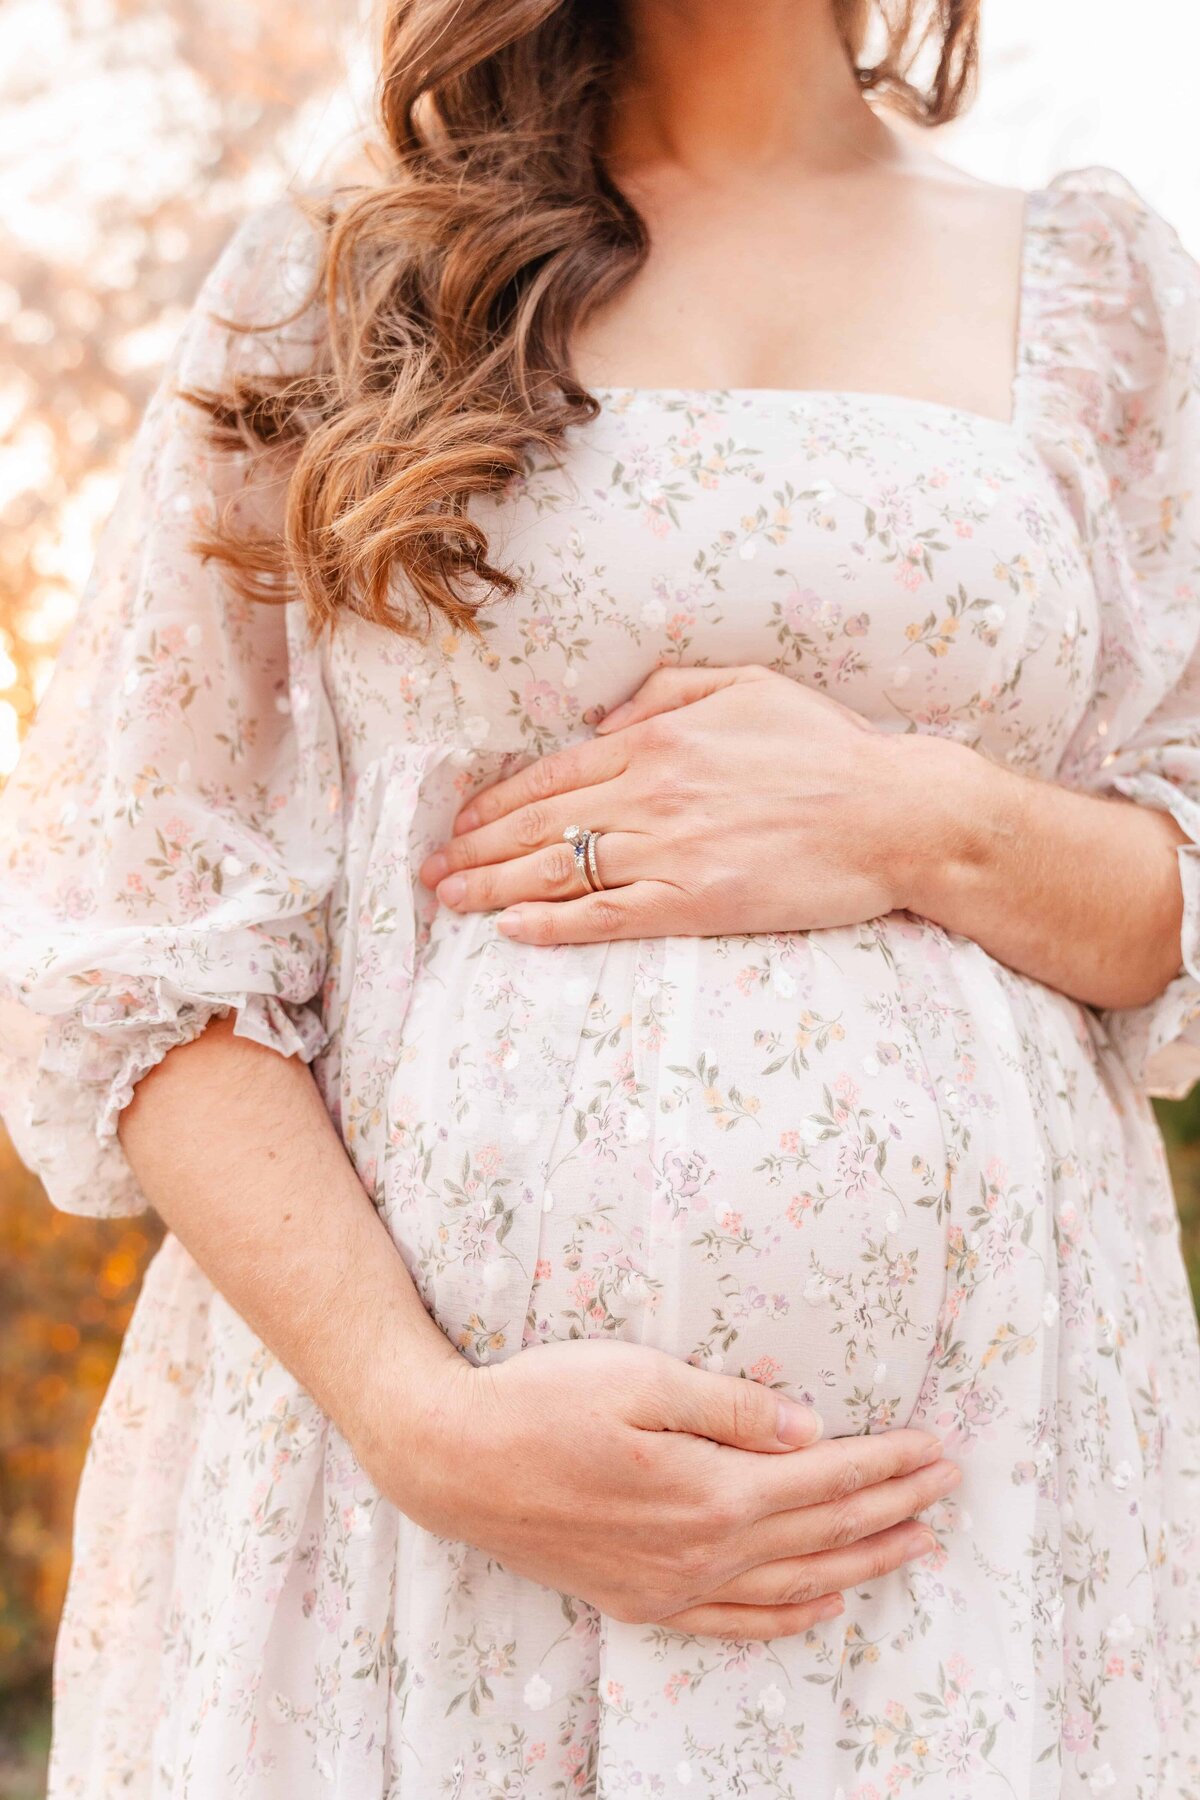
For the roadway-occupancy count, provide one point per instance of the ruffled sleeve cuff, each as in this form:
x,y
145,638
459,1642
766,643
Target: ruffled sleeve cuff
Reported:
x,y
65,1080
1159,1043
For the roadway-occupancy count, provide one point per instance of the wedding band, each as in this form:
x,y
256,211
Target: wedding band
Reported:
x,y
583,842
593,871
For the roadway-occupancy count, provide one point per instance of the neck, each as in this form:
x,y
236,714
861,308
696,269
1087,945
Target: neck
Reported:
x,y
714,85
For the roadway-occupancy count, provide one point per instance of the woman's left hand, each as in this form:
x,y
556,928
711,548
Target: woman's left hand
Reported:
x,y
731,800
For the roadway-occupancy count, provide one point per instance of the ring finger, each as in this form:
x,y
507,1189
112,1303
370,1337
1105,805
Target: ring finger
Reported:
x,y
548,874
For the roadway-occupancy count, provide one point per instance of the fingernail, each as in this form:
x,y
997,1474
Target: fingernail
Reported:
x,y
949,1477
931,1453
437,866
451,891
617,716
798,1426
467,820
509,922
920,1544
832,1607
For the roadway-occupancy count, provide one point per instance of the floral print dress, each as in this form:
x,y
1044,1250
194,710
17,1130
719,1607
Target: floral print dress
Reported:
x,y
870,1166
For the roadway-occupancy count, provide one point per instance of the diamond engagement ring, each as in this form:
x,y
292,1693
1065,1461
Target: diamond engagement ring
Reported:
x,y
583,843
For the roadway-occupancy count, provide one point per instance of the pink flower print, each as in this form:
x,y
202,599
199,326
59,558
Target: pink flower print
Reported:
x,y
71,901
195,892
799,1206
789,1142
677,1684
487,1159
963,528
1078,1733
765,1370
857,625
846,1089
730,1222
959,1671
679,624
169,643
542,1270
683,1176
542,702
134,882
909,570
892,509
581,1291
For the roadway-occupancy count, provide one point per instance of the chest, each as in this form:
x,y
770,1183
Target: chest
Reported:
x,y
912,561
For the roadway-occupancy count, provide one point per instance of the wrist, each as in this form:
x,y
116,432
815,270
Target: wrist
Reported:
x,y
409,1412
955,813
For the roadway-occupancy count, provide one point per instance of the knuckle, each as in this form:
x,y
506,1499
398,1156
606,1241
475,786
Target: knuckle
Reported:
x,y
692,1558
884,1559
845,1524
482,890
544,778
532,826
847,1478
607,916
721,1518
559,867
798,1591
539,928
750,1405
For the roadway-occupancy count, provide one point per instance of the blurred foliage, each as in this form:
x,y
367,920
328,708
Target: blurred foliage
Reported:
x,y
137,133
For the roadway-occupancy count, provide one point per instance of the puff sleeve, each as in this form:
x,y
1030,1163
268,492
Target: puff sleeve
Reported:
x,y
1137,295
172,831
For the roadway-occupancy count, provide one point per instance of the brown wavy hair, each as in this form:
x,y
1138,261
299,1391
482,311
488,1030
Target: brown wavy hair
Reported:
x,y
451,291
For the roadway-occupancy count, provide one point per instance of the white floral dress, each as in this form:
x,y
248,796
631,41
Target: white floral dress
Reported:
x,y
869,1166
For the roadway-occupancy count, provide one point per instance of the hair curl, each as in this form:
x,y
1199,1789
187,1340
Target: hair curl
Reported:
x,y
452,290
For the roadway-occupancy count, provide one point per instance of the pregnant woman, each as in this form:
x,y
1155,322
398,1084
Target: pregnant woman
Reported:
x,y
613,848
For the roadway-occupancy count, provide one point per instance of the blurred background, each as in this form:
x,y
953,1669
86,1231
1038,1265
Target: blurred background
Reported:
x,y
133,136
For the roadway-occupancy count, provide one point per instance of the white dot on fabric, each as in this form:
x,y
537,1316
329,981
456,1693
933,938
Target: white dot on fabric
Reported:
x,y
231,865
901,675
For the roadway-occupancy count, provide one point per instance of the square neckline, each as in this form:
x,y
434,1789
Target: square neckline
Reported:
x,y
872,397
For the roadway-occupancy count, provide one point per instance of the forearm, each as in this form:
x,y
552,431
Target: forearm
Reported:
x,y
1080,891
234,1148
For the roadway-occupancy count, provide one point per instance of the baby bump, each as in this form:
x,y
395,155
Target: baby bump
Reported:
x,y
796,1158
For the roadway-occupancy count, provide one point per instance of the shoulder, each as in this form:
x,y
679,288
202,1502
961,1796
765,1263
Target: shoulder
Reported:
x,y
1101,236
259,308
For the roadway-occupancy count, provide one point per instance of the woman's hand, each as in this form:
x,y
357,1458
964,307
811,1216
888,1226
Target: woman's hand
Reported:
x,y
658,1492
731,800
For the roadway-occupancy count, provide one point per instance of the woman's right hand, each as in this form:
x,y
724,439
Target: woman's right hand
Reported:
x,y
659,1493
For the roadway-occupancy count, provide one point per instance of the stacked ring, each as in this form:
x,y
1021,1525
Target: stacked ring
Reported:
x,y
583,842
